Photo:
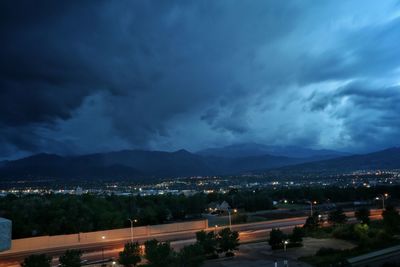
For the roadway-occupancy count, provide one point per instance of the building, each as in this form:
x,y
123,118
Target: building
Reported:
x,y
217,208
5,234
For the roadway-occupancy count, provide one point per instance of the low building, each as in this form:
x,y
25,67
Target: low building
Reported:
x,y
218,208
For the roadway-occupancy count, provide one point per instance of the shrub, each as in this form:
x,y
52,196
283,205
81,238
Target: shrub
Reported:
x,y
71,258
192,255
276,238
130,256
208,242
41,260
344,232
229,254
362,215
158,254
228,240
391,219
337,217
312,222
297,235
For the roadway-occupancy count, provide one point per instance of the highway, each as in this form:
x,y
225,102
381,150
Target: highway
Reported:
x,y
109,248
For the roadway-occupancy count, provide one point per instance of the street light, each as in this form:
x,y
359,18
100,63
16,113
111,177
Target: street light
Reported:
x,y
383,199
102,248
132,222
311,206
285,244
230,218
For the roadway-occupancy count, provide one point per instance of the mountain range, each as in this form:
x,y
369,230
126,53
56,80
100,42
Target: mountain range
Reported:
x,y
136,164
254,149
387,159
128,164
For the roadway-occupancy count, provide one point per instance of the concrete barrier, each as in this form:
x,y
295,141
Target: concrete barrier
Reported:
x,y
43,242
5,234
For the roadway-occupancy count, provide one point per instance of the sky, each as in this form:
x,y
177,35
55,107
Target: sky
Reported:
x,y
81,77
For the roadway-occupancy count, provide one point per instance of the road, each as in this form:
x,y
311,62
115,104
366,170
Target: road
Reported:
x,y
109,248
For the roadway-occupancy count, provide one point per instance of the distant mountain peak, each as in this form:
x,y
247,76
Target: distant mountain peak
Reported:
x,y
182,151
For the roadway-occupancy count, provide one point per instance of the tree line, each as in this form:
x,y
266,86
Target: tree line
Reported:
x,y
53,214
156,253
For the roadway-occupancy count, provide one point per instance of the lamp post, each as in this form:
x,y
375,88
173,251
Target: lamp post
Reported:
x,y
285,244
132,222
102,248
311,207
230,218
383,196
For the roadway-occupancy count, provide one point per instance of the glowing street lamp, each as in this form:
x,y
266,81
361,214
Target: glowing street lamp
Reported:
x,y
132,222
102,248
230,218
285,244
311,206
385,195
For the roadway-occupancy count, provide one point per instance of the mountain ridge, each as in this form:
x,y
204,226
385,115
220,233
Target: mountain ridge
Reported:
x,y
133,164
137,163
385,159
254,149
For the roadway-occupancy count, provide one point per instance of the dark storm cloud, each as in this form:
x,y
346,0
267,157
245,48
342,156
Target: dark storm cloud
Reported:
x,y
85,76
368,112
370,51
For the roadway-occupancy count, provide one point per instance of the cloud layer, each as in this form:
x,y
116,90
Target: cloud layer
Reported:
x,y
81,77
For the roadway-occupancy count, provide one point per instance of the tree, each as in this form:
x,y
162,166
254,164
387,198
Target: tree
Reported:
x,y
297,235
71,258
391,219
191,256
362,215
208,242
130,256
158,254
337,217
228,241
312,222
41,260
276,238
361,232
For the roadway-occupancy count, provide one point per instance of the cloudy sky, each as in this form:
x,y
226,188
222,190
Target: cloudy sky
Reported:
x,y
89,76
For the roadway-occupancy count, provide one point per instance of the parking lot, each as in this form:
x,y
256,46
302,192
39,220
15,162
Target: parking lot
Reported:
x,y
260,254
